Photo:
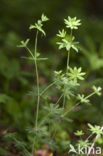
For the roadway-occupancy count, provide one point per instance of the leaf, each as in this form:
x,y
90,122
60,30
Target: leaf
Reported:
x,y
44,18
24,43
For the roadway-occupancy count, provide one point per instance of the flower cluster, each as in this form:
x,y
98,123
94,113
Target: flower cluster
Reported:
x,y
62,33
68,44
67,41
72,23
76,74
39,24
82,98
95,129
97,90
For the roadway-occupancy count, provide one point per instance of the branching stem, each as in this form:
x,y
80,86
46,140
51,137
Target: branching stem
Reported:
x,y
50,85
78,103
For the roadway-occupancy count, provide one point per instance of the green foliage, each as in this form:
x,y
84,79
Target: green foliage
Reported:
x,y
87,143
54,109
92,54
79,133
83,143
67,83
95,129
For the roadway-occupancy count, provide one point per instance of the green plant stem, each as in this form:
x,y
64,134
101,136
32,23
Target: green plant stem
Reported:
x,y
66,71
30,53
68,60
50,85
68,57
89,136
71,109
78,103
37,79
64,101
59,99
90,95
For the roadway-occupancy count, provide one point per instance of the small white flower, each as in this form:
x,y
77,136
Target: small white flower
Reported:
x,y
97,90
82,98
72,23
68,44
75,74
39,24
62,33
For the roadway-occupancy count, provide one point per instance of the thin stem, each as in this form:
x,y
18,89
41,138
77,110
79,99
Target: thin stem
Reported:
x,y
79,103
89,136
33,145
37,79
59,99
30,53
68,57
47,88
64,101
90,95
71,109
68,60
37,75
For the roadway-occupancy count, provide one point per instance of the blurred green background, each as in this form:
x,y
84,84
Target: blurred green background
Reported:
x,y
16,73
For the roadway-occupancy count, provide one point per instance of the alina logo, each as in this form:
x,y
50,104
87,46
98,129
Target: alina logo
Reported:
x,y
85,150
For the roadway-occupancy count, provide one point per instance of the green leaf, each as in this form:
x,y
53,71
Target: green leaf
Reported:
x,y
97,90
44,18
95,129
79,133
62,33
24,43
